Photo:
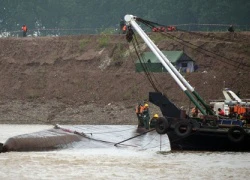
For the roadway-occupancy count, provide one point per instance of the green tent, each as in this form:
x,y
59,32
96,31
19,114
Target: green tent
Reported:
x,y
178,58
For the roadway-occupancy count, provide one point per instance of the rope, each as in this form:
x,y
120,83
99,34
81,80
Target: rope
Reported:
x,y
211,52
152,24
149,142
148,72
131,37
134,137
145,68
138,19
107,131
87,137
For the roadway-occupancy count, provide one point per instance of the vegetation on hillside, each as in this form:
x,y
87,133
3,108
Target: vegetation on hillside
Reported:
x,y
53,14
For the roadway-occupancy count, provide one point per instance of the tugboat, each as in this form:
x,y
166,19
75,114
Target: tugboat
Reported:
x,y
210,131
206,133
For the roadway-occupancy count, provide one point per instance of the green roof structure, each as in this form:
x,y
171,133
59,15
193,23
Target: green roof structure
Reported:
x,y
152,63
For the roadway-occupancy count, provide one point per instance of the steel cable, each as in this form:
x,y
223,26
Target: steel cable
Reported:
x,y
188,44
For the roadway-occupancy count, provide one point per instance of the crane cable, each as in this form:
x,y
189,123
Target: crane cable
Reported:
x,y
130,36
200,49
154,80
145,68
153,24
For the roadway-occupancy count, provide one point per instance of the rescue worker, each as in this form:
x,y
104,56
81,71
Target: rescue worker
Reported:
x,y
221,112
194,112
123,27
138,111
171,28
163,29
156,29
153,121
146,116
24,29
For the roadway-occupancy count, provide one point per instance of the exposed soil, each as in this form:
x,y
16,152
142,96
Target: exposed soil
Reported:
x,y
91,79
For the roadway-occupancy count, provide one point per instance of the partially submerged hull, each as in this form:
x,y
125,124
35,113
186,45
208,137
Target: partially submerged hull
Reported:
x,y
88,137
38,141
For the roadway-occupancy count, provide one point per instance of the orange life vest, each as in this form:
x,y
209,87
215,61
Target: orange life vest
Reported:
x,y
124,28
24,28
242,110
194,111
239,109
139,109
236,107
163,29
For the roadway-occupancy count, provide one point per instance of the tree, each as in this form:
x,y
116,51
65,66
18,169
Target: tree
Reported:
x,y
53,14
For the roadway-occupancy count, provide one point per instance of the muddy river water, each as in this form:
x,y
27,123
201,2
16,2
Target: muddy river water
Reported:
x,y
143,157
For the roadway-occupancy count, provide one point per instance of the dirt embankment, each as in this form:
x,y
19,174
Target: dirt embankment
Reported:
x,y
92,79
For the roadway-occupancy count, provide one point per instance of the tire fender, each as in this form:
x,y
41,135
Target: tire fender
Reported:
x,y
183,128
236,134
161,125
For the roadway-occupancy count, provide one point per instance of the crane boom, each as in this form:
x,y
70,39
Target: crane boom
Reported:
x,y
180,80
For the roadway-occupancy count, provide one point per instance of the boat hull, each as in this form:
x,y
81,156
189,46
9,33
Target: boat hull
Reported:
x,y
208,140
